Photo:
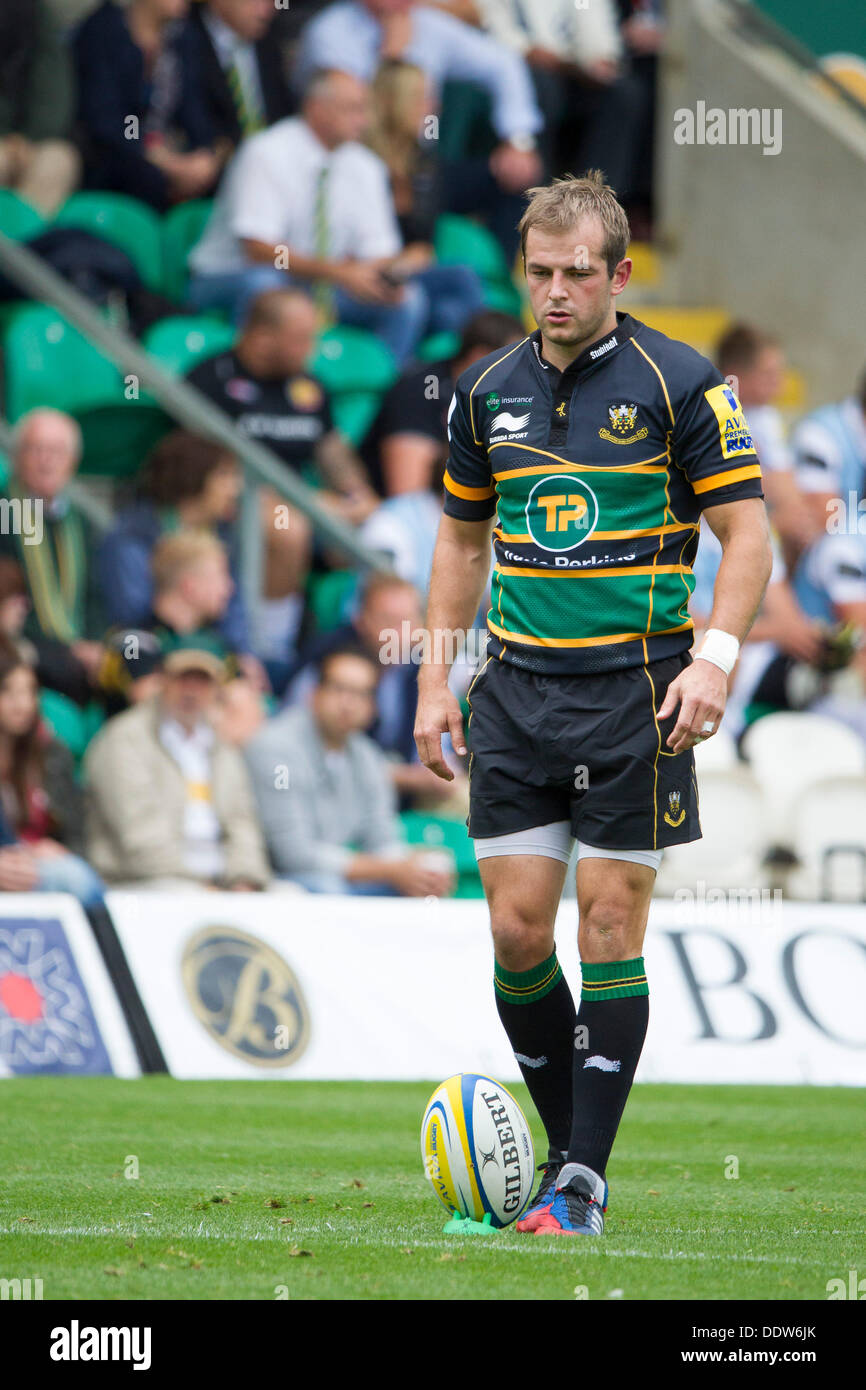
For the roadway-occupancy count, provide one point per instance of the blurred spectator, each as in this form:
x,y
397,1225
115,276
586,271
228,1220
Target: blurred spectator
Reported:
x,y
192,587
401,101
188,483
357,35
40,803
240,712
387,622
144,127
263,385
169,803
325,798
53,544
757,361
305,202
829,448
37,159
15,607
593,107
644,34
408,439
243,84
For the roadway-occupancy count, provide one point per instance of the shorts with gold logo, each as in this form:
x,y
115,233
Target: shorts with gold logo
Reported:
x,y
587,749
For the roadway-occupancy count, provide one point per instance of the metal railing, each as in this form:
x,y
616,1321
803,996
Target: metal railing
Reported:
x,y
188,406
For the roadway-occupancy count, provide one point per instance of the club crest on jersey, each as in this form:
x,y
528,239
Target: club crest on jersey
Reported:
x,y
673,815
623,419
561,512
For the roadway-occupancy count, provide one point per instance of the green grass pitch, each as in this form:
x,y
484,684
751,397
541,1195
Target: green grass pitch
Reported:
x,y
311,1190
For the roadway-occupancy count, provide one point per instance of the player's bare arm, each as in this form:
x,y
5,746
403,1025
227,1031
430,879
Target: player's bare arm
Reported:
x,y
460,566
701,689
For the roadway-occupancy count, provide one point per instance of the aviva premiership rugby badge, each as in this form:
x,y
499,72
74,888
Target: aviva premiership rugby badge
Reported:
x,y
733,430
623,420
673,815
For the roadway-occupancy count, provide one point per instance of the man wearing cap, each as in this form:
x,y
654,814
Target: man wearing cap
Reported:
x,y
169,803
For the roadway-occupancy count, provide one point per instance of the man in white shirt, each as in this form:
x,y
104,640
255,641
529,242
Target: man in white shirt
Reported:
x,y
305,202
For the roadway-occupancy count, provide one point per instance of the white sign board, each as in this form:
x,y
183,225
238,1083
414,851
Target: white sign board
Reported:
x,y
307,986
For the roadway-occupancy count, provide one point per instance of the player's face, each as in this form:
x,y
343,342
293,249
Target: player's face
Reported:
x,y
570,289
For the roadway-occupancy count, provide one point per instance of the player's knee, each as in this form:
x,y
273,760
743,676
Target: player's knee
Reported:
x,y
520,942
609,930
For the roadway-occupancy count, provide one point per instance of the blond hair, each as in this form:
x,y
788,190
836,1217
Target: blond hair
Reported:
x,y
395,90
174,555
561,204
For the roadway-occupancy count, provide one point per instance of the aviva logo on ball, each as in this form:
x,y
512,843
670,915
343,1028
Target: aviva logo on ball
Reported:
x,y
477,1149
561,512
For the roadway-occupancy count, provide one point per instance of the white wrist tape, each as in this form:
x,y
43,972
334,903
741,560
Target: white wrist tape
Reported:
x,y
721,648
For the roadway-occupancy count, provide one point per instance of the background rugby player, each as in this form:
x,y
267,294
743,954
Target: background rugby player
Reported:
x,y
599,442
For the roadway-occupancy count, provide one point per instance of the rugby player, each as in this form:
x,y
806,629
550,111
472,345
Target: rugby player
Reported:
x,y
595,443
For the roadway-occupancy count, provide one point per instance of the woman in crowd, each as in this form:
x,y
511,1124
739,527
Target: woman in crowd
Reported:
x,y
399,136
142,118
41,817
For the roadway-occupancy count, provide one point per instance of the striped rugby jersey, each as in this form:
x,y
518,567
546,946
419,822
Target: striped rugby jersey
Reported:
x,y
599,475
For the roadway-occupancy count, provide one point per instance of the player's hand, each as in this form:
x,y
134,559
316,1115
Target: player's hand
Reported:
x,y
700,691
438,713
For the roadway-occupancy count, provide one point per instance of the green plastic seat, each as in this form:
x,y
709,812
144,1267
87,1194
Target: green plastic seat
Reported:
x,y
439,832
460,241
351,359
329,597
70,723
180,343
505,298
127,223
5,470
181,228
439,346
355,369
19,220
48,362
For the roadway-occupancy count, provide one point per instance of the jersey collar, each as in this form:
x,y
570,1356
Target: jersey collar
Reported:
x,y
593,353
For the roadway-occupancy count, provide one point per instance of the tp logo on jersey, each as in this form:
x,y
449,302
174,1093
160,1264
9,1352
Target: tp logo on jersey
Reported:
x,y
561,512
733,430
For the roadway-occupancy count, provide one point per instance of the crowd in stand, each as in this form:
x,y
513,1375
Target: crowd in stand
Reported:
x,y
232,745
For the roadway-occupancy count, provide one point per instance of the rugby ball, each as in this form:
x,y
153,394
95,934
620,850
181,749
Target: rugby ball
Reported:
x,y
477,1149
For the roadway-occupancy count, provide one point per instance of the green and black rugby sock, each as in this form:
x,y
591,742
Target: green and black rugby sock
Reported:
x,y
614,1012
537,1012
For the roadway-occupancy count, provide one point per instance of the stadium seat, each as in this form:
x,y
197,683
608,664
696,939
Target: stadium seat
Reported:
x,y
735,837
460,241
829,840
19,220
48,362
329,597
125,222
180,343
355,368
4,470
181,228
68,722
788,752
440,832
438,346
